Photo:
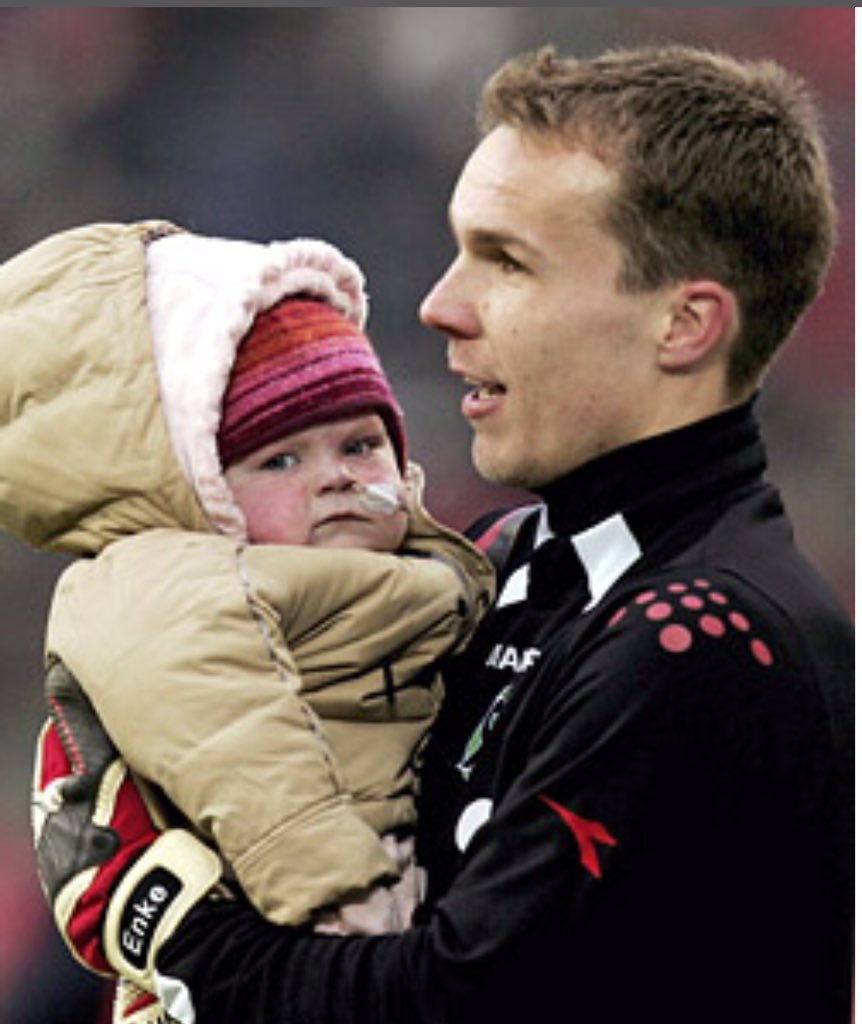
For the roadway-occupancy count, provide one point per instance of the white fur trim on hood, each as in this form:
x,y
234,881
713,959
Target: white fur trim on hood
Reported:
x,y
203,294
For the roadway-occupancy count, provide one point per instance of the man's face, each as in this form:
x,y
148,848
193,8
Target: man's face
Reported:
x,y
562,366
307,488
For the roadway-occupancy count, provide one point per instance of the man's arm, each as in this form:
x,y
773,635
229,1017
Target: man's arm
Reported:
x,y
239,968
628,778
526,915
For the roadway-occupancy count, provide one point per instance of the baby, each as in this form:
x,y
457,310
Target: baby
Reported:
x,y
264,596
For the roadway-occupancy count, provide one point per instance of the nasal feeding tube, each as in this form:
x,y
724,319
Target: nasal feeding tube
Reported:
x,y
382,499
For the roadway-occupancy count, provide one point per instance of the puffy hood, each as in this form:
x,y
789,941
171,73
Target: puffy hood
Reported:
x,y
116,344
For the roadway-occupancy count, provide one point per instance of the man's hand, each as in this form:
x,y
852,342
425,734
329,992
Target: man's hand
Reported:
x,y
386,908
117,881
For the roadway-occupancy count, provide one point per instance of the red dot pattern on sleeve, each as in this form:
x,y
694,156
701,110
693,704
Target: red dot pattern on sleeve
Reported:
x,y
689,613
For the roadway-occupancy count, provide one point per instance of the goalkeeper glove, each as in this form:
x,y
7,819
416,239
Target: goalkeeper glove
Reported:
x,y
118,882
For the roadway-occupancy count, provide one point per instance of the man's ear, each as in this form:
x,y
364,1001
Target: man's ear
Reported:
x,y
704,320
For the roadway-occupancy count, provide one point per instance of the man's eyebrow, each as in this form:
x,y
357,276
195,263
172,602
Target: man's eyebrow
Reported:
x,y
485,238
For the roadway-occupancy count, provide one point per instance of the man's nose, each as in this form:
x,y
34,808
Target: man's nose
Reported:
x,y
447,308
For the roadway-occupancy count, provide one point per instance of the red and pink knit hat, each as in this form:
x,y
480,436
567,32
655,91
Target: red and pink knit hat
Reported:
x,y
302,364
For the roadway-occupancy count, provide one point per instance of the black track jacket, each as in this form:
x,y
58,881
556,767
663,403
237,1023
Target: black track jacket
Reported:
x,y
637,803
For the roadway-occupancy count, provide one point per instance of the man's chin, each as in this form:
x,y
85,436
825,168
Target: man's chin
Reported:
x,y
495,468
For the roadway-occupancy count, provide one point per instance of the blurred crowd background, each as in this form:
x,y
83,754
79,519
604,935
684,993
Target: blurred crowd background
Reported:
x,y
349,124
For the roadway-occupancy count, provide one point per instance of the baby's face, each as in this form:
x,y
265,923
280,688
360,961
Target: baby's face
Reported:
x,y
308,488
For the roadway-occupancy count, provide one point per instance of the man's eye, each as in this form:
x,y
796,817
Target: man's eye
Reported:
x,y
284,460
508,264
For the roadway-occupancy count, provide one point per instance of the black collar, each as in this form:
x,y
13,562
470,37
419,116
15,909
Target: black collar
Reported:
x,y
607,514
711,456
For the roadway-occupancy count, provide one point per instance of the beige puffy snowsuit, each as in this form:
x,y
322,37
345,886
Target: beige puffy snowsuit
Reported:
x,y
280,696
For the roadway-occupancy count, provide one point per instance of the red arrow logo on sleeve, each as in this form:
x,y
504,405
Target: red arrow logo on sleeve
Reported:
x,y
587,833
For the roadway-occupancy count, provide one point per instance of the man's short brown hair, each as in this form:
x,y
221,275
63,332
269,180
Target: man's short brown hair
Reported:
x,y
722,165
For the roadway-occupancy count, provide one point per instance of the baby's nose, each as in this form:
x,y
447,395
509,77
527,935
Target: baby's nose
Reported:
x,y
337,475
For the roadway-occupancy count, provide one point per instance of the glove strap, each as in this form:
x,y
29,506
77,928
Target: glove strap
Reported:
x,y
151,900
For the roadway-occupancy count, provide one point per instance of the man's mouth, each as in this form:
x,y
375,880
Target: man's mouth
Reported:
x,y
483,399
481,389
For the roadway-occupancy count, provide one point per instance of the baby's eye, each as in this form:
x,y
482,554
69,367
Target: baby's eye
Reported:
x,y
283,460
364,445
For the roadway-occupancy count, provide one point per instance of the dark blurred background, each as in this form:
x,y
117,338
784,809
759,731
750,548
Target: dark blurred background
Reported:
x,y
349,124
